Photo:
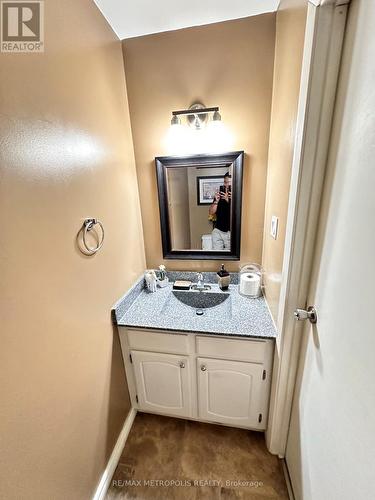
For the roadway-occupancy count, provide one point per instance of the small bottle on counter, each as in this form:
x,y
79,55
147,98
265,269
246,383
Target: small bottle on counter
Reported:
x,y
223,278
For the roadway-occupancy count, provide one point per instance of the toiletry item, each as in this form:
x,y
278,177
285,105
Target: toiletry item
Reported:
x,y
251,281
163,283
163,279
181,285
250,285
223,278
162,272
151,280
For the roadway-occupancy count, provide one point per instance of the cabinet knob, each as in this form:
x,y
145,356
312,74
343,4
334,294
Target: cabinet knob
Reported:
x,y
182,364
203,368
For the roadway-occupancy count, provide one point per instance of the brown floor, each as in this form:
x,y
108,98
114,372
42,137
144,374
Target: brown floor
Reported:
x,y
170,449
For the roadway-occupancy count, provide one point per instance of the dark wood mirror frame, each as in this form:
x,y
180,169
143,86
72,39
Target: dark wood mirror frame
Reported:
x,y
204,160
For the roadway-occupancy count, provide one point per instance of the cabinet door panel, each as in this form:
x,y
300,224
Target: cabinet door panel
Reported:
x,y
230,392
163,382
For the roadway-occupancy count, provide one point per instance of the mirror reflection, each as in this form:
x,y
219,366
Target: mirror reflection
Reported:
x,y
200,199
199,207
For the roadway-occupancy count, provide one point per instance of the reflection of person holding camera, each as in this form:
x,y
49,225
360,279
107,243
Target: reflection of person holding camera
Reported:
x,y
221,208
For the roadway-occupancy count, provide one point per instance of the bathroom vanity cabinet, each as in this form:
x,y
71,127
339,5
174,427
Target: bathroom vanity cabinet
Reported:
x,y
202,377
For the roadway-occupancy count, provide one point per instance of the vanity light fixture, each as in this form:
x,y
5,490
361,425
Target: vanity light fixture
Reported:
x,y
197,115
198,129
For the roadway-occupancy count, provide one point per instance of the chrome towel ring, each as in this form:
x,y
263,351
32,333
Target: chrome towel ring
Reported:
x,y
88,225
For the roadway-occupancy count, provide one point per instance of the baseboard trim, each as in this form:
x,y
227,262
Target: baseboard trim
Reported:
x,y
287,480
105,480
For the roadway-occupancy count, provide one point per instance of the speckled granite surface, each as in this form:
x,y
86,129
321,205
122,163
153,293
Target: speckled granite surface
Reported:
x,y
209,277
237,315
123,304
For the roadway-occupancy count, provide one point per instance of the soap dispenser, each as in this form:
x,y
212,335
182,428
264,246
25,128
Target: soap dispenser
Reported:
x,y
223,278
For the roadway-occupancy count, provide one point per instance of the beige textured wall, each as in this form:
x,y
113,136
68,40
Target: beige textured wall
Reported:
x,y
66,154
227,64
290,29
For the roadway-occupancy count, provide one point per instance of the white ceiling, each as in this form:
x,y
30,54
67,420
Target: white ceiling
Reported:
x,y
130,18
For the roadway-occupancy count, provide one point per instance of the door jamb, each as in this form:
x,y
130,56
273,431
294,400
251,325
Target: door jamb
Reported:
x,y
325,26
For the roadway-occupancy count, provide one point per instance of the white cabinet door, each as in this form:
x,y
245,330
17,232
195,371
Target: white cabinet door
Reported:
x,y
163,383
230,392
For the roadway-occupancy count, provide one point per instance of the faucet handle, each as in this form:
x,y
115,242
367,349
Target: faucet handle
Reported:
x,y
200,277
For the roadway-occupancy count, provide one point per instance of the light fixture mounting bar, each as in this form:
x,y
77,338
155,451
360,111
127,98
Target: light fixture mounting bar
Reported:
x,y
195,111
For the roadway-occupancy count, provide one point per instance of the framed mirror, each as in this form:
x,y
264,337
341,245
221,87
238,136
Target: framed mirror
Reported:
x,y
200,200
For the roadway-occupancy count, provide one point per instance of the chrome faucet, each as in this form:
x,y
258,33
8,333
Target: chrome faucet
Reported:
x,y
200,286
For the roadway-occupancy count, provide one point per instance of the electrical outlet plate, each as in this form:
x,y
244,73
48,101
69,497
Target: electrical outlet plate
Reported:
x,y
274,226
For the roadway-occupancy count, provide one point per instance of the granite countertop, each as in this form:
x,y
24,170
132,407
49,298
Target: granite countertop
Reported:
x,y
237,315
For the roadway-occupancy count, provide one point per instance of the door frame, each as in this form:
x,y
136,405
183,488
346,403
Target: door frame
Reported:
x,y
325,27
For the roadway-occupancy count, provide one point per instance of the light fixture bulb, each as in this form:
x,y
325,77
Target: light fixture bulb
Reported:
x,y
197,121
175,120
216,117
198,124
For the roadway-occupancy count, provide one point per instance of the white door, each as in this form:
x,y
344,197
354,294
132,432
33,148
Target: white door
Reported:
x,y
163,383
331,442
230,392
324,34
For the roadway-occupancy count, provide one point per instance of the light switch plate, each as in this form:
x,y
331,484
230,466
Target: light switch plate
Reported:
x,y
274,226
